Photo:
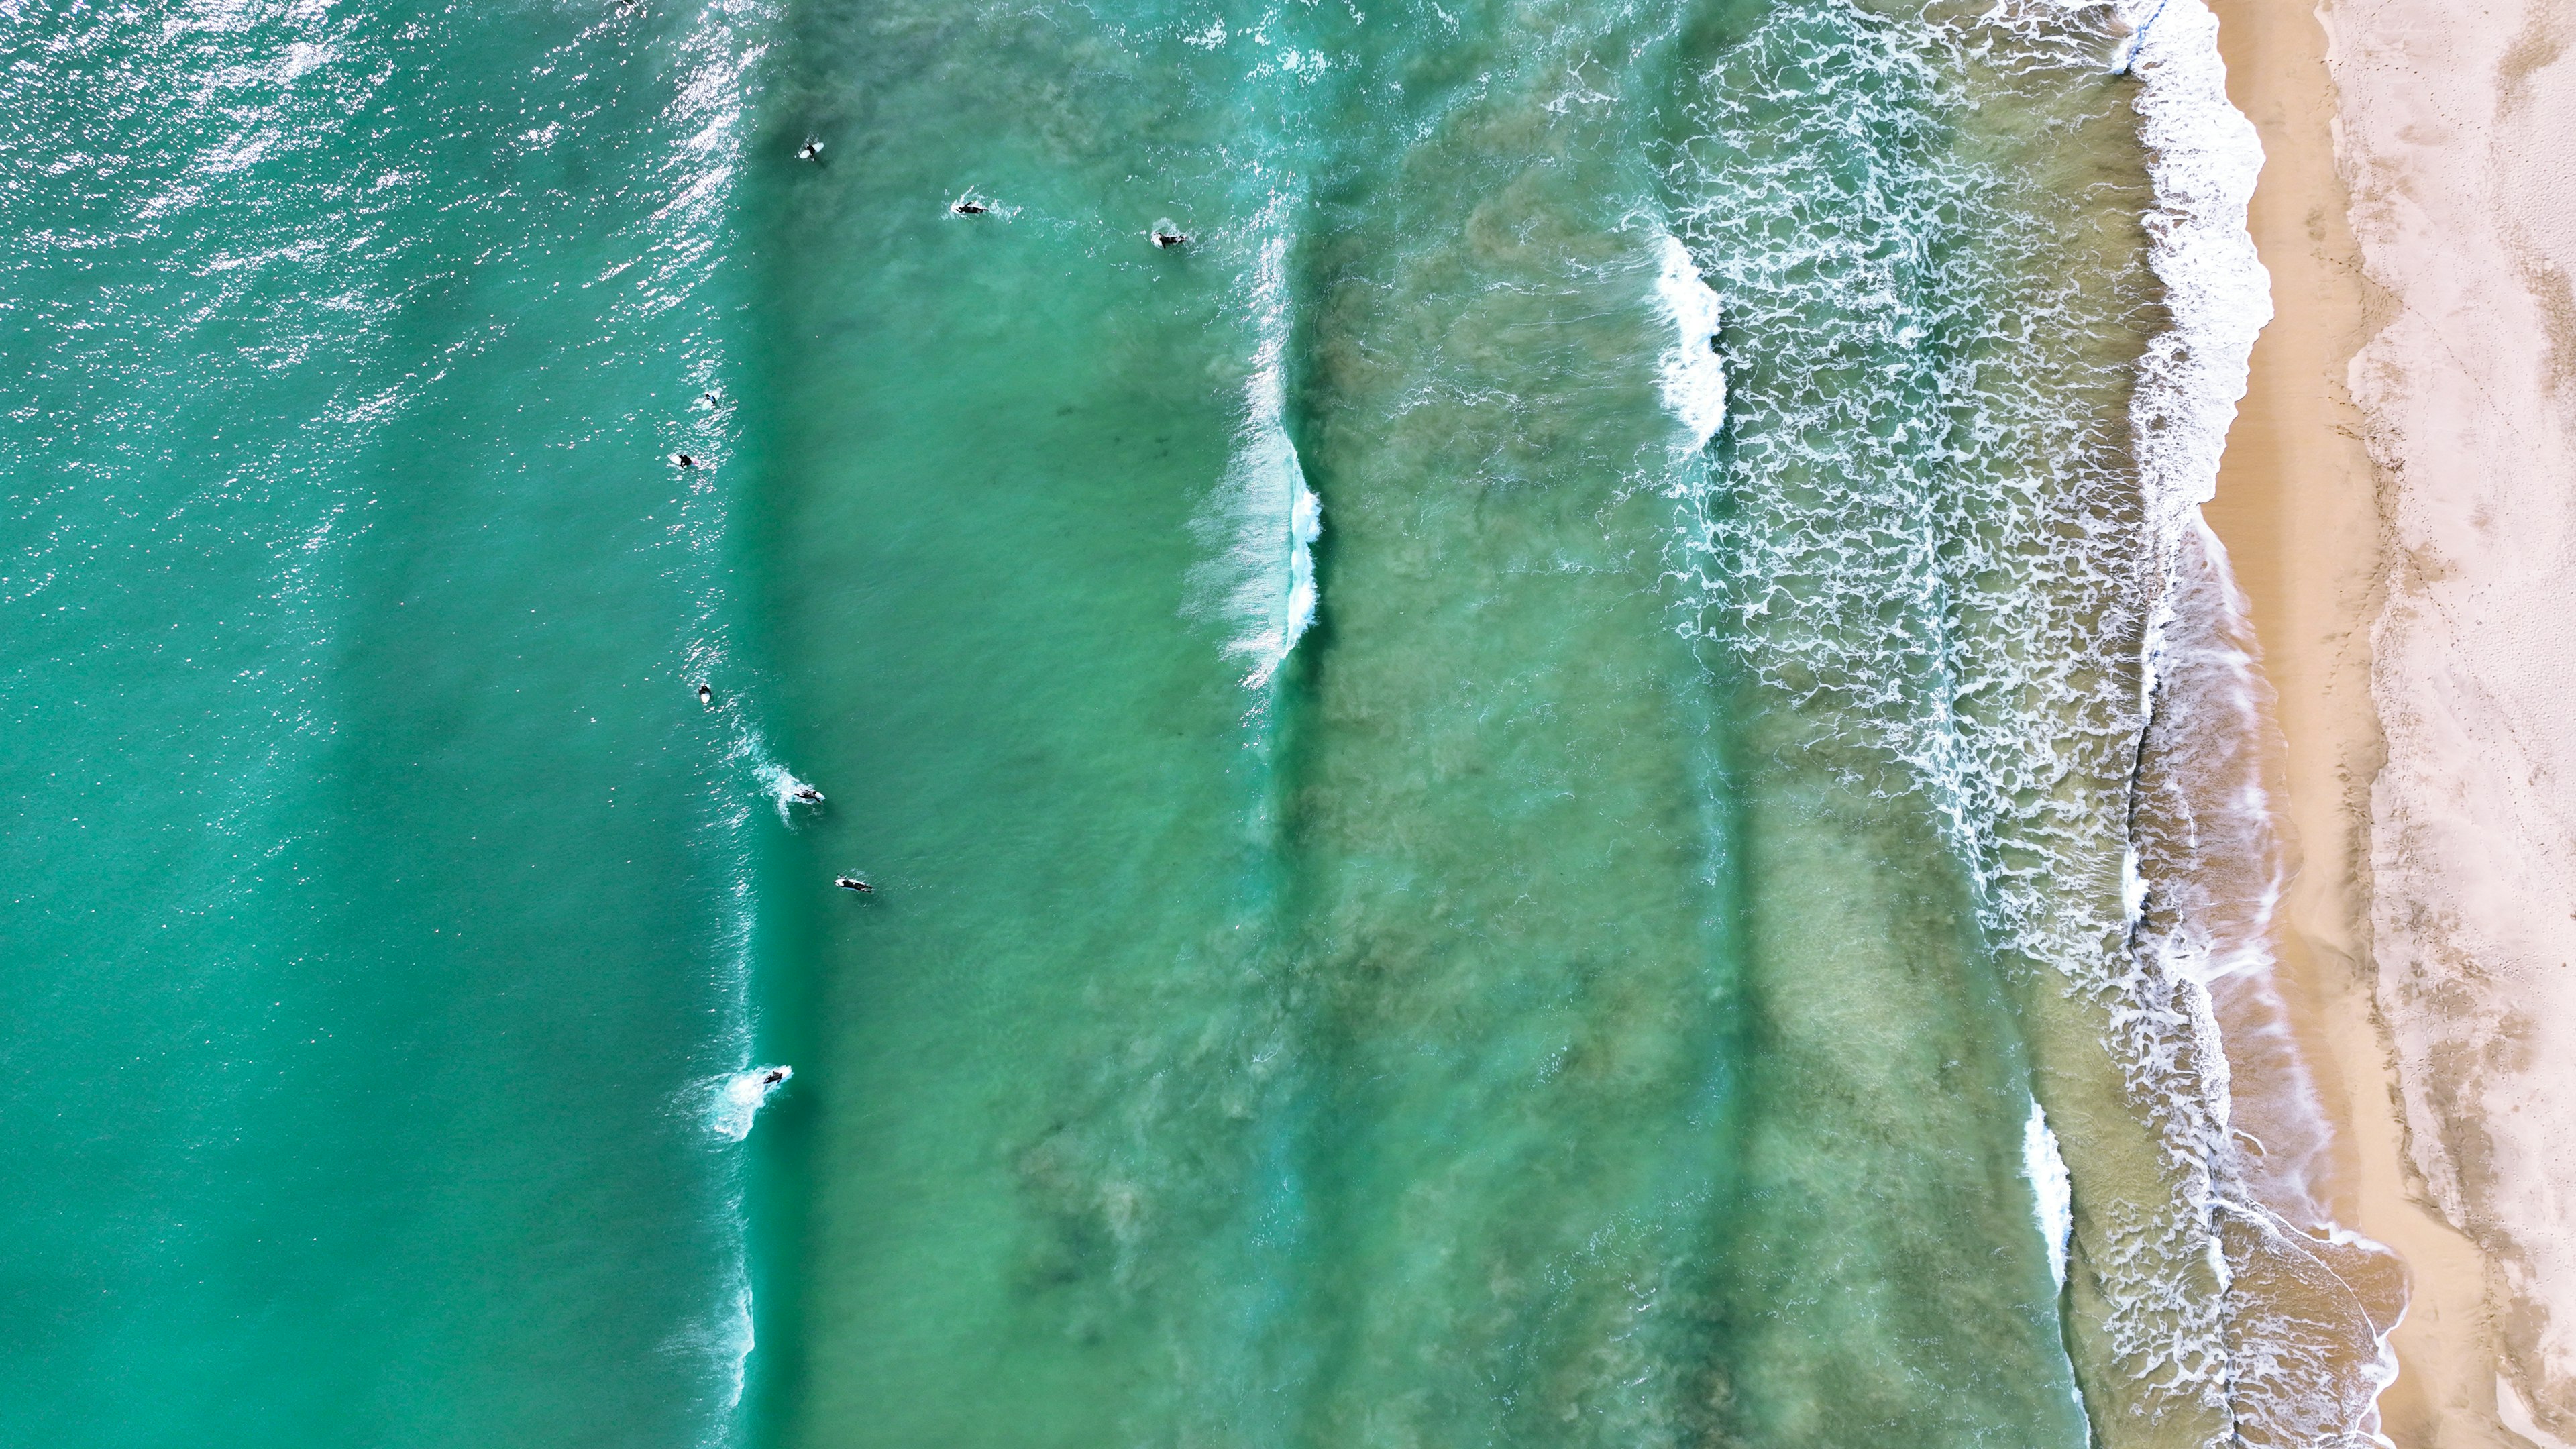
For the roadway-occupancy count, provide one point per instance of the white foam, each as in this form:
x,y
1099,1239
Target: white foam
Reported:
x,y
1305,525
2016,534
732,1349
782,785
1262,520
721,1338
2217,881
733,1101
993,208
2204,157
2052,1192
1692,376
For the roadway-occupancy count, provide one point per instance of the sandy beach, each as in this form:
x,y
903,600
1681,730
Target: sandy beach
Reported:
x,y
2395,501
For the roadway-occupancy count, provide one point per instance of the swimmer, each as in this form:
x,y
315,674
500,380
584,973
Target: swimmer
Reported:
x,y
853,883
684,460
1169,239
808,794
812,150
706,694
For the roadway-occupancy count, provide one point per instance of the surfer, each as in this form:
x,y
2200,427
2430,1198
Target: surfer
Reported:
x,y
1164,238
773,1076
853,883
968,208
684,460
812,150
706,694
808,794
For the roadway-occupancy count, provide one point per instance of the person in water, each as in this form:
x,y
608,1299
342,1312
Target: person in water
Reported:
x,y
706,694
809,794
853,883
773,1077
684,460
968,208
1170,239
812,150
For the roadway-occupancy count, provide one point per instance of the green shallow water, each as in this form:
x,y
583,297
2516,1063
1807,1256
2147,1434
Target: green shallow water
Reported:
x,y
1485,1031
1564,999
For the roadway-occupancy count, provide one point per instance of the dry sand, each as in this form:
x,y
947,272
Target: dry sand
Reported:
x,y
2409,548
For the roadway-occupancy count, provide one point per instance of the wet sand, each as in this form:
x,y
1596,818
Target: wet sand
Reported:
x,y
2319,495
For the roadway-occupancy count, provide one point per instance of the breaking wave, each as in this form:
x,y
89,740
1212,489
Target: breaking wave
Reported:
x,y
1261,522
733,1101
1981,578
1692,376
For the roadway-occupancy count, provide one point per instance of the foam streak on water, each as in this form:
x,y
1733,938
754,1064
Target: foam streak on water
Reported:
x,y
2045,1170
1784,718
675,281
2310,1305
2204,157
2038,526
1262,520
2309,1308
719,55
1692,375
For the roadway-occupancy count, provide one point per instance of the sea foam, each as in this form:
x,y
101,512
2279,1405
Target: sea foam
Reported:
x,y
2204,157
677,276
1981,561
2305,1359
781,785
1262,520
2052,1193
1692,376
734,1100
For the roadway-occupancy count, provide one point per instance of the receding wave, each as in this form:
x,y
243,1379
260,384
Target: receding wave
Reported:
x,y
1981,566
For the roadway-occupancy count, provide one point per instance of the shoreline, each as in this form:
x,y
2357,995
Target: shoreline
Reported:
x,y
2451,127
2299,508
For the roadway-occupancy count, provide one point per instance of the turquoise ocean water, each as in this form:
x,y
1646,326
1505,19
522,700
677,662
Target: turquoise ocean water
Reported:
x,y
1581,778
